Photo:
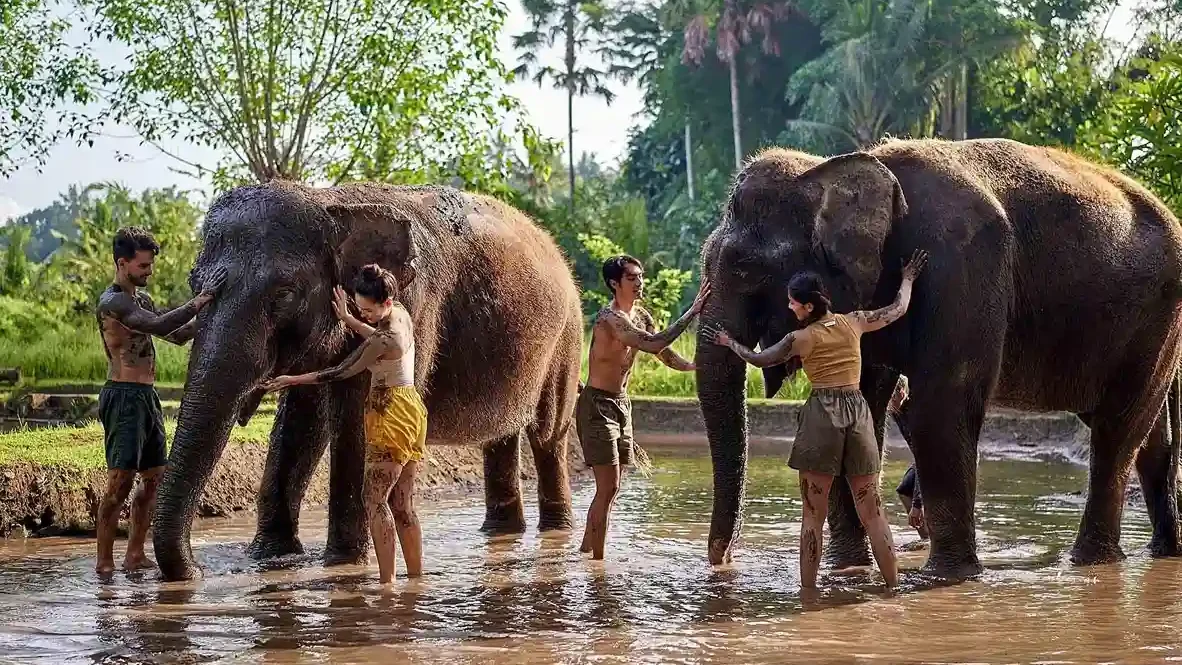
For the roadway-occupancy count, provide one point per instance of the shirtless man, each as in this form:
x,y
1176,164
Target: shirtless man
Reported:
x,y
133,423
603,415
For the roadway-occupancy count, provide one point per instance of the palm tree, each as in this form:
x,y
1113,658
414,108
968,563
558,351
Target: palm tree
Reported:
x,y
878,77
577,25
735,23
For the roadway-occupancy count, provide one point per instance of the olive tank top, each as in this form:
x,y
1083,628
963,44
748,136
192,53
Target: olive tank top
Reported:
x,y
836,357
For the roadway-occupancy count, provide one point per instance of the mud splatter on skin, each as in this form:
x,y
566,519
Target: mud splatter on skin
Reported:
x,y
804,493
810,547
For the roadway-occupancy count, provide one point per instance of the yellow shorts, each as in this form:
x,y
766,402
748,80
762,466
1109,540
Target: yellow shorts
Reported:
x,y
396,425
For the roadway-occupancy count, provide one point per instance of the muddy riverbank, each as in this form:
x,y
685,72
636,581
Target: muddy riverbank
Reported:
x,y
48,492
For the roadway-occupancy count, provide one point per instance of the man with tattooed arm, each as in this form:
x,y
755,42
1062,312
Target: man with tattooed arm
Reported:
x,y
129,408
603,414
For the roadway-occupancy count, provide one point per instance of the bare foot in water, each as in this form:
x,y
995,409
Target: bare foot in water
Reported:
x,y
139,562
104,568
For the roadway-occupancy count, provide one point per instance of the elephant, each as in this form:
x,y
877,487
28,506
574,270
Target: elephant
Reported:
x,y
498,337
1053,284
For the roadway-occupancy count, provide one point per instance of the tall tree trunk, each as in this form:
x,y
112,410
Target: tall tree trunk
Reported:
x,y
689,161
735,110
570,100
962,103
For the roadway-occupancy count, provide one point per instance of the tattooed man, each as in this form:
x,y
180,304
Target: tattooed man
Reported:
x,y
603,415
133,424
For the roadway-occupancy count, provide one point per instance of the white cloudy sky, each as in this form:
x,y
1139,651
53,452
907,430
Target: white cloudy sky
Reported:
x,y
599,128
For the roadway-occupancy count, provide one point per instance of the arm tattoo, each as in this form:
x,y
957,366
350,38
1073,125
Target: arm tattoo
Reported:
x,y
182,335
672,360
773,355
124,308
360,360
631,335
884,316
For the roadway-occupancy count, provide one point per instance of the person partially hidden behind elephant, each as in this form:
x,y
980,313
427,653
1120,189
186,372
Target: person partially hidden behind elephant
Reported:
x,y
836,431
603,412
395,415
908,489
129,408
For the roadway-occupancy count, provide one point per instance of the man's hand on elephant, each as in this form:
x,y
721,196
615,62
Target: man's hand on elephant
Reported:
x,y
915,518
919,259
719,335
700,299
213,284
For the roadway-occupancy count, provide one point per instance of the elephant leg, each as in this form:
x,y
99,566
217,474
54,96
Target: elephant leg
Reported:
x,y
848,544
1123,422
503,510
554,509
1156,464
298,440
348,524
945,415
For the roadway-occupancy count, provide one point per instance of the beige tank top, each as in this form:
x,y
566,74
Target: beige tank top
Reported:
x,y
403,371
836,357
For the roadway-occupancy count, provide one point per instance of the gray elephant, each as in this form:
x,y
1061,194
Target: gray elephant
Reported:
x,y
498,332
1053,284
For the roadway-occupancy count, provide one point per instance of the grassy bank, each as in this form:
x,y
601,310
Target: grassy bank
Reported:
x,y
76,355
82,447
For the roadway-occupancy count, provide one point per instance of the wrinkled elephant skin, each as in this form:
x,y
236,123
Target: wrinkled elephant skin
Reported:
x,y
1052,284
498,335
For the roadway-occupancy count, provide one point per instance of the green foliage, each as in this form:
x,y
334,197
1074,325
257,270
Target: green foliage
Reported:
x,y
40,70
662,292
83,268
45,347
17,271
1141,129
47,225
385,89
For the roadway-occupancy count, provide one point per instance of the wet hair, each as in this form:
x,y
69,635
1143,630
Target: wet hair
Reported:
x,y
613,269
376,283
131,239
807,288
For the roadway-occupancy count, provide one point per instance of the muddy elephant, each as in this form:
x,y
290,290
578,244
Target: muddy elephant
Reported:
x,y
498,336
1052,284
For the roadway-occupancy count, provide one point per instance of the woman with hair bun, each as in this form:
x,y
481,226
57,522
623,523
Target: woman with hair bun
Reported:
x,y
835,436
395,416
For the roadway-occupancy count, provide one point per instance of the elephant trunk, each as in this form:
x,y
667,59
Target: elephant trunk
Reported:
x,y
223,368
722,395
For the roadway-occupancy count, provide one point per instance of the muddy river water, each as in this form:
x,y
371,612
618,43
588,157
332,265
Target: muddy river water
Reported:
x,y
533,599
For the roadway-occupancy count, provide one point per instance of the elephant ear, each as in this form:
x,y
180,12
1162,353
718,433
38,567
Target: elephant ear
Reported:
x,y
373,233
855,201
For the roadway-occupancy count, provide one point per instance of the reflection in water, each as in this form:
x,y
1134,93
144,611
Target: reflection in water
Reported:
x,y
533,598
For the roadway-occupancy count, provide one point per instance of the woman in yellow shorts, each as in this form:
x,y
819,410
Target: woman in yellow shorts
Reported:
x,y
835,436
395,417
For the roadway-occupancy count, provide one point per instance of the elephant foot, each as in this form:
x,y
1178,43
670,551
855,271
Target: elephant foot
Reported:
x,y
1087,553
268,547
504,519
719,552
344,556
847,554
179,571
556,521
1164,546
953,568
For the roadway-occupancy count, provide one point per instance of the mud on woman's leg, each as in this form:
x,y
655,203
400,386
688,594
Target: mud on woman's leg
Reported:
x,y
406,519
381,473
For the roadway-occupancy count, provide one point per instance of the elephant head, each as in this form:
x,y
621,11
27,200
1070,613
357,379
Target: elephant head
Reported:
x,y
788,212
284,249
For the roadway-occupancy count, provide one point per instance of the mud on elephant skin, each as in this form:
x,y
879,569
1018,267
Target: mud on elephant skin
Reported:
x,y
1053,284
498,333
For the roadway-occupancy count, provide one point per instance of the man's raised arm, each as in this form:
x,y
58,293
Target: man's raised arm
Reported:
x,y
631,335
123,308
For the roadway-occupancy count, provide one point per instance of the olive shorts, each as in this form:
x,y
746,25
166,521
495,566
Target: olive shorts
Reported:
x,y
133,426
835,435
603,421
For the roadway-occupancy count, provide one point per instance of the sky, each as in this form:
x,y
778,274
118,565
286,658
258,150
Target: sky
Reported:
x,y
599,128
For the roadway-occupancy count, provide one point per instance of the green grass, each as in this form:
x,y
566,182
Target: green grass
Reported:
x,y
76,356
82,447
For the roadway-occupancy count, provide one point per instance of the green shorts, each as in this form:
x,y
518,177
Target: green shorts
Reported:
x,y
835,435
603,421
133,426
